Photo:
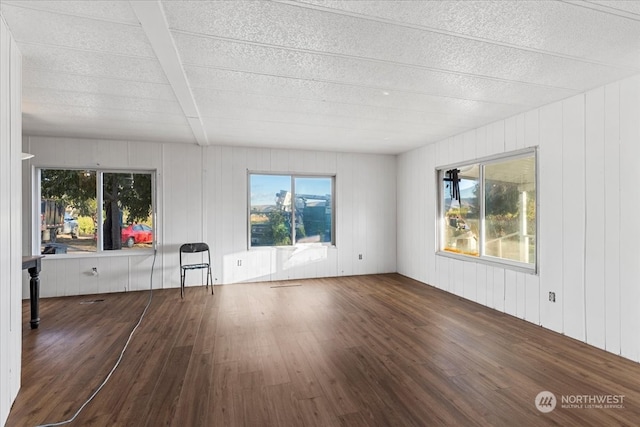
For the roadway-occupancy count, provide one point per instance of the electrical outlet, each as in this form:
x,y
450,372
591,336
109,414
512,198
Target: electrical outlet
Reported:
x,y
552,296
239,263
359,256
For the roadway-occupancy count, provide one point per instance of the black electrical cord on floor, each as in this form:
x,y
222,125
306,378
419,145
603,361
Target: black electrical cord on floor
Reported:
x,y
119,358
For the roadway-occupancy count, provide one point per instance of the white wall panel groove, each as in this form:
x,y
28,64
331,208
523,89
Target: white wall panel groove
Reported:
x,y
499,289
521,307
629,208
510,292
613,217
470,275
573,215
595,202
456,271
481,284
550,220
510,134
532,298
490,287
428,211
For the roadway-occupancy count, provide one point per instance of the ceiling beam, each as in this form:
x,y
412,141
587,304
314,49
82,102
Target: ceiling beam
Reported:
x,y
154,23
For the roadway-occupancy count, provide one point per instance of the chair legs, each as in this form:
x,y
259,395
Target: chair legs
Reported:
x,y
209,276
183,274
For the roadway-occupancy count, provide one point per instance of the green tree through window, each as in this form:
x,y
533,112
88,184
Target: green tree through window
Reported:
x,y
125,197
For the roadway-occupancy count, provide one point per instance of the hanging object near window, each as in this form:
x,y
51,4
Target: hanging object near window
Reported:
x,y
451,176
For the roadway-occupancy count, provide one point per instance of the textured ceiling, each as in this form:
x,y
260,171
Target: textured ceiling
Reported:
x,y
362,76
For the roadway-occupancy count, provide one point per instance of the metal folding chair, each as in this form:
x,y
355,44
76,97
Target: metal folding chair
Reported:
x,y
187,264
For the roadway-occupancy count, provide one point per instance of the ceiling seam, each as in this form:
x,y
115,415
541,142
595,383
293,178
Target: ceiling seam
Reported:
x,y
99,52
97,76
109,119
72,15
268,96
609,10
384,107
445,32
136,120
381,88
307,124
62,115
115,135
423,125
84,126
374,60
275,96
106,95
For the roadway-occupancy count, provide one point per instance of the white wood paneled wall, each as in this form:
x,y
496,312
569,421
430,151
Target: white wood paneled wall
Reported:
x,y
10,220
72,275
202,195
365,214
589,238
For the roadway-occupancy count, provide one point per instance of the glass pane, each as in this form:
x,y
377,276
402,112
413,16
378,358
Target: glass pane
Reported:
x,y
313,209
510,210
270,216
461,218
67,211
127,202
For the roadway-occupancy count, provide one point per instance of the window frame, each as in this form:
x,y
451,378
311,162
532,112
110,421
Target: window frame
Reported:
x,y
100,251
482,257
292,176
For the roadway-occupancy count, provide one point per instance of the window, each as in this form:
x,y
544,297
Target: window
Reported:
x,y
488,210
287,209
71,222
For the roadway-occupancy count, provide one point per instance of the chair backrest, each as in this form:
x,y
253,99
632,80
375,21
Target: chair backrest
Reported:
x,y
194,248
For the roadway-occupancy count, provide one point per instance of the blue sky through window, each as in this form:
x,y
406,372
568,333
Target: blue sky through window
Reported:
x,y
317,186
265,187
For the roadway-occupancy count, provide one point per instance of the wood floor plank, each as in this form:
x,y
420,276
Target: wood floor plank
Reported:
x,y
284,407
163,404
252,404
304,382
194,397
222,410
375,350
316,413
331,380
273,366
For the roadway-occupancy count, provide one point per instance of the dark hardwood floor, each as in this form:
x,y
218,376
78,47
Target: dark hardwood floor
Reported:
x,y
378,350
